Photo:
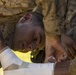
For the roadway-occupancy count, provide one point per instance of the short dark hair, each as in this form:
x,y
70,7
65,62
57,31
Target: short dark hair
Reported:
x,y
37,18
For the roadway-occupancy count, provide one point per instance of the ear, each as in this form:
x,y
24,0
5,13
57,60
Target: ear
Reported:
x,y
25,18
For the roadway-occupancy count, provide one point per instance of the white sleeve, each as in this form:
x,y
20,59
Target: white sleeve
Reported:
x,y
7,57
34,69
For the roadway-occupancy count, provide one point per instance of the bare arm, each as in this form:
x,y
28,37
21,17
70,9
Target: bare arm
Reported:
x,y
54,48
62,68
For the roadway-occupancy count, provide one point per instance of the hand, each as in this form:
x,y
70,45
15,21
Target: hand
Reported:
x,y
54,48
50,59
69,45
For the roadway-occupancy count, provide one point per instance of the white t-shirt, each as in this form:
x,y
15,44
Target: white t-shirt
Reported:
x,y
7,58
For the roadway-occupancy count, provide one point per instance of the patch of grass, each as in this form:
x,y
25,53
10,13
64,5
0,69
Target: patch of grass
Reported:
x,y
22,56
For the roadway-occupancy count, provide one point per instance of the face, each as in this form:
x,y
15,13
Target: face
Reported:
x,y
28,38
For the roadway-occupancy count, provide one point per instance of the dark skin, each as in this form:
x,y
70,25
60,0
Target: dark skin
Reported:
x,y
29,37
58,70
69,45
54,46
62,68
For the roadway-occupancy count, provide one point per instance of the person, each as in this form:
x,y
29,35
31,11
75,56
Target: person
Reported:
x,y
56,4
58,16
58,19
30,36
18,67
8,32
